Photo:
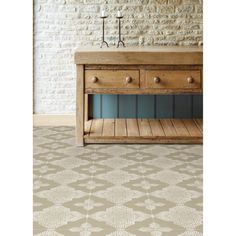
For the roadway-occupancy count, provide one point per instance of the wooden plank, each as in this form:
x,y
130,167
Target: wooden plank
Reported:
x,y
183,106
150,139
120,127
180,127
96,127
192,128
144,91
80,105
168,127
146,106
199,122
87,127
164,106
144,127
127,106
156,127
132,127
86,107
140,56
108,127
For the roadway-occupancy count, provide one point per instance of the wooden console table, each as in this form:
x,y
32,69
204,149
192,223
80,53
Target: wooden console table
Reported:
x,y
139,70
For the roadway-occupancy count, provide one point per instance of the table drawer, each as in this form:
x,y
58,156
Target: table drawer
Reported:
x,y
174,79
111,79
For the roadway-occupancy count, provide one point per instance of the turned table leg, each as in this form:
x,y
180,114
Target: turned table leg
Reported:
x,y
80,97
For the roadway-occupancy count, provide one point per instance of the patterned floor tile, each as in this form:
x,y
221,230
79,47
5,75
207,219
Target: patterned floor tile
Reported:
x,y
184,216
115,190
152,227
55,216
88,227
145,185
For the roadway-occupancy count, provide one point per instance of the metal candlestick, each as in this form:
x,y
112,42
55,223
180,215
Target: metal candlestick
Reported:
x,y
120,41
103,29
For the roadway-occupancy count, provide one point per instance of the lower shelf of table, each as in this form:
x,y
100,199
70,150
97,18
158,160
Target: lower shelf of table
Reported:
x,y
143,131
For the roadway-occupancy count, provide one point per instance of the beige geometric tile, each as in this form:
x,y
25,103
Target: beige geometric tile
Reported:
x,y
164,162
92,169
159,150
149,204
189,168
58,136
138,156
49,233
54,146
94,156
118,177
120,217
118,194
40,203
184,216
91,185
62,129
85,227
143,169
50,156
41,184
191,233
66,177
145,185
37,228
169,176
176,194
183,156
196,203
153,227
70,162
117,162
56,216
46,168
194,184
115,190
88,204
61,194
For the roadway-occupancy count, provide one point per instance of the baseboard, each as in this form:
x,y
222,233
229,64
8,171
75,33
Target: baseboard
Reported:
x,y
53,120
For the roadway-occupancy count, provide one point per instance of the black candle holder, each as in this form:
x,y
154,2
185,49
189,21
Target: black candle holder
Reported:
x,y
120,41
103,29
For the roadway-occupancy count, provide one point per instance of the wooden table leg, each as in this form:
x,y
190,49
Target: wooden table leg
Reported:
x,y
80,97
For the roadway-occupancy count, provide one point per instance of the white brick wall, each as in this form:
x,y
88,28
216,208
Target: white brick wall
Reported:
x,y
61,26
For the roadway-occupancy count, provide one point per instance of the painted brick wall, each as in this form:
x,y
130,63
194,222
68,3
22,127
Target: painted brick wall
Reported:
x,y
61,26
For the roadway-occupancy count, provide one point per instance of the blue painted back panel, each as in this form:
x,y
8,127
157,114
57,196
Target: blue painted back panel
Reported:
x,y
95,104
109,106
198,106
147,106
127,106
183,106
164,106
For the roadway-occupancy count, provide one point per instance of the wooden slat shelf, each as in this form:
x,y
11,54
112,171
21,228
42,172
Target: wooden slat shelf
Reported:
x,y
143,131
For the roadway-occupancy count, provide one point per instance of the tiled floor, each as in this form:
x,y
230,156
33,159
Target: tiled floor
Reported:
x,y
115,190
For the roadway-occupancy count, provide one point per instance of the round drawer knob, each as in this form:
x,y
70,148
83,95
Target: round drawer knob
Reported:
x,y
128,79
190,80
157,80
95,79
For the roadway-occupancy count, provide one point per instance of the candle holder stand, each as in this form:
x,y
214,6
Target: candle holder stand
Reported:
x,y
103,33
120,41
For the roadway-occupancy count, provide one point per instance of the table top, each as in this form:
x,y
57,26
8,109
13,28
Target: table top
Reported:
x,y
142,49
140,55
